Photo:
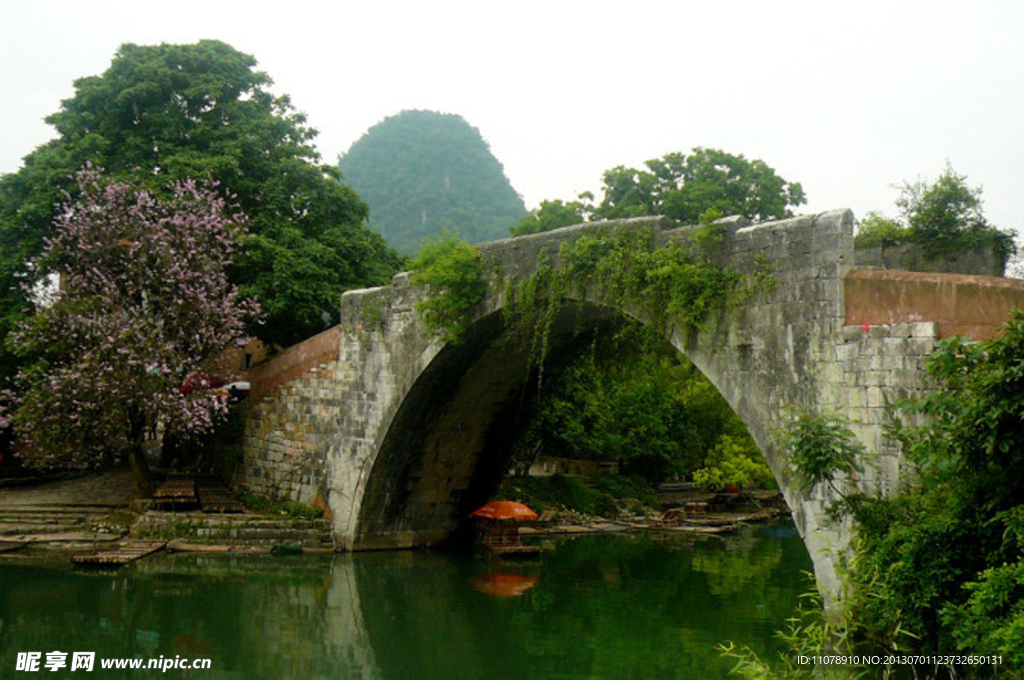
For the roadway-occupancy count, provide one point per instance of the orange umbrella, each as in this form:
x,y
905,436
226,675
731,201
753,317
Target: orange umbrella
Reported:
x,y
504,585
504,510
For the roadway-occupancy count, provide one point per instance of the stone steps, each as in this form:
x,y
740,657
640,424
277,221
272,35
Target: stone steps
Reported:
x,y
257,530
57,523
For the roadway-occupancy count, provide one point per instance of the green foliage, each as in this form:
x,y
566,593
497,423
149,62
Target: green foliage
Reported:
x,y
627,487
601,496
819,448
944,217
992,618
421,172
168,112
274,506
735,462
634,399
454,270
943,559
673,282
878,230
555,215
685,187
693,189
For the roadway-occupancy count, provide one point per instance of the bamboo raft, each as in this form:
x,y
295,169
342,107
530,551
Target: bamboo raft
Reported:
x,y
125,553
176,492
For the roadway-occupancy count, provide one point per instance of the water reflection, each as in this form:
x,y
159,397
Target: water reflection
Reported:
x,y
503,585
594,607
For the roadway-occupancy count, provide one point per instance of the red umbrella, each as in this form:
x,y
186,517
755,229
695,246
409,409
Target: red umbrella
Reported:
x,y
504,510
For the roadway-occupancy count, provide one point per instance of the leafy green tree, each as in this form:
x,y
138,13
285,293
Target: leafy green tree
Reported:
x,y
944,217
684,187
555,215
820,447
735,461
422,172
454,270
634,399
877,229
163,113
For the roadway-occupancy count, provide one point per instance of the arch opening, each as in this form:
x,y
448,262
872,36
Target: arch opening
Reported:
x,y
451,440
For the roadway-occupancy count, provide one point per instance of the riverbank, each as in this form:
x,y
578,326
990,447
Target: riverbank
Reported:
x,y
726,514
98,511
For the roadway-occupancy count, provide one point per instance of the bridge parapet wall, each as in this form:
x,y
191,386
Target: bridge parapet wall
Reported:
x,y
911,257
959,304
289,364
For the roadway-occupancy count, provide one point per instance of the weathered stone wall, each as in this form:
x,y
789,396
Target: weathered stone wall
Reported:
x,y
289,364
291,418
876,366
910,257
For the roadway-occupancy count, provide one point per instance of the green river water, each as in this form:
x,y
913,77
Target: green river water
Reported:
x,y
625,606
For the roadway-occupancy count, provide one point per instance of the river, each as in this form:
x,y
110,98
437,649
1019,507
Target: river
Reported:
x,y
641,605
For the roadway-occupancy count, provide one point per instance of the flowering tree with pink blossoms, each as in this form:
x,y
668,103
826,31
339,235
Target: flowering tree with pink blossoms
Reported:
x,y
144,301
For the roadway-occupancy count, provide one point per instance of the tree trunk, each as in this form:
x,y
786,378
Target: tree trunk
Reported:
x,y
137,454
140,468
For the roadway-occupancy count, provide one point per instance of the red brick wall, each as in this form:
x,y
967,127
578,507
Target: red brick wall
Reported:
x,y
973,306
271,374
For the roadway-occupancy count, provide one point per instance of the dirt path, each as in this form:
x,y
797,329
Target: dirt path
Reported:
x,y
115,489
71,514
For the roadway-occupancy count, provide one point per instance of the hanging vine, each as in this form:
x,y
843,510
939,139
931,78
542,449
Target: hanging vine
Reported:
x,y
666,284
675,283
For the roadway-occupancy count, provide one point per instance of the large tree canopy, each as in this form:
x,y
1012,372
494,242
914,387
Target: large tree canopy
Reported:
x,y
684,187
688,188
164,113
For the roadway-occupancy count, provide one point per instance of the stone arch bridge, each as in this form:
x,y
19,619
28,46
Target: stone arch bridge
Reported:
x,y
400,436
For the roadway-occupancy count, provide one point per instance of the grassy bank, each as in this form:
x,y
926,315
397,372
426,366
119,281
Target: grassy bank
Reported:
x,y
605,496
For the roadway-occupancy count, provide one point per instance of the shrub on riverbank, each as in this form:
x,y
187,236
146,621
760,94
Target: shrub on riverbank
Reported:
x,y
273,506
605,496
944,559
939,569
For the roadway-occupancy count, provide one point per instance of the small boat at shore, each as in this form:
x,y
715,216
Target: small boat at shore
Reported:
x,y
498,528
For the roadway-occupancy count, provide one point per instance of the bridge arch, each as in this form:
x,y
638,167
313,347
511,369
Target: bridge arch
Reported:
x,y
433,420
448,445
369,416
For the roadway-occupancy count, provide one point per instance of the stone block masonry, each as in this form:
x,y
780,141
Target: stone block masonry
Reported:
x,y
875,367
291,418
402,434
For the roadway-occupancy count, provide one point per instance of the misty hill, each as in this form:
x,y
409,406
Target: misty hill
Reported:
x,y
422,171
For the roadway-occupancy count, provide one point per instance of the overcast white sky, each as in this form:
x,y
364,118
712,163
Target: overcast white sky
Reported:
x,y
847,98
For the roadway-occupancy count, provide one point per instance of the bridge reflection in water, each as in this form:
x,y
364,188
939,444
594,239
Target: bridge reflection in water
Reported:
x,y
639,605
